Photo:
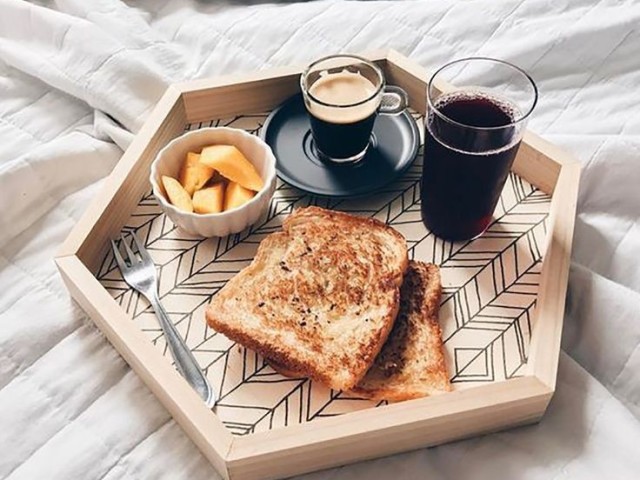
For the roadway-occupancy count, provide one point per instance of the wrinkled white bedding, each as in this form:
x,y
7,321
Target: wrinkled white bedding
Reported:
x,y
77,76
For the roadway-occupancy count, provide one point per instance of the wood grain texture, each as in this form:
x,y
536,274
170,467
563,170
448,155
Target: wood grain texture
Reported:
x,y
401,71
260,91
391,429
544,349
186,407
540,162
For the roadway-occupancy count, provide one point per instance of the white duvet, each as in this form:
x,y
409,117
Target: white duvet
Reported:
x,y
77,78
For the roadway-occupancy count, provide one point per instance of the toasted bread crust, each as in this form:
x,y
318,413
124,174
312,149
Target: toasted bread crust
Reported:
x,y
318,214
411,364
319,298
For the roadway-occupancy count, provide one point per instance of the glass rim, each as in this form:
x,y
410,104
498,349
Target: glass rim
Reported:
x,y
366,61
523,117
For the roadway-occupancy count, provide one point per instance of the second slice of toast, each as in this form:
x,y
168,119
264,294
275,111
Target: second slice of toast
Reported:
x,y
319,298
411,363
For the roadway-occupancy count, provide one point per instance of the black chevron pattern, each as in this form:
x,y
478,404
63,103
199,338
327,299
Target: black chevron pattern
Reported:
x,y
490,288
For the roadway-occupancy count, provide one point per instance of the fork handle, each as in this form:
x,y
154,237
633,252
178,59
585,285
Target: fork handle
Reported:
x,y
184,359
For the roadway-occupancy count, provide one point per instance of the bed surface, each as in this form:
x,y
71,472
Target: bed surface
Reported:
x,y
78,78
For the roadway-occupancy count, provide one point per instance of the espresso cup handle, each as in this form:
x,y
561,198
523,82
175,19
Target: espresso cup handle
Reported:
x,y
394,100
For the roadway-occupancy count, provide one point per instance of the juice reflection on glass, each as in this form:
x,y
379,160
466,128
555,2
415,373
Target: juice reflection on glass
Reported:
x,y
472,135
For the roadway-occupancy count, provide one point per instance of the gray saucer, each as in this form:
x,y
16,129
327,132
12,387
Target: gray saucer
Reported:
x,y
394,145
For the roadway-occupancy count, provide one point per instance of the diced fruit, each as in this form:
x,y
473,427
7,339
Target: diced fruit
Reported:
x,y
209,200
236,195
193,174
232,164
178,196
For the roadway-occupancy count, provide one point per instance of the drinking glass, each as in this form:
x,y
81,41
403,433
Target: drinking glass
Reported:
x,y
477,111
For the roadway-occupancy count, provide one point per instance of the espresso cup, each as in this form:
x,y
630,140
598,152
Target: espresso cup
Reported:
x,y
343,95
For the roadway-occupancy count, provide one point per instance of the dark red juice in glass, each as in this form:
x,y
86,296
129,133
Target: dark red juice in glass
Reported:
x,y
470,144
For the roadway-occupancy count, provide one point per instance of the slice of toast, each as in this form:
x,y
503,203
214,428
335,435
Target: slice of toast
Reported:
x,y
319,298
411,363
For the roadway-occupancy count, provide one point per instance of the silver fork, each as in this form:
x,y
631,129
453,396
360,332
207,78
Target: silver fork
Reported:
x,y
140,274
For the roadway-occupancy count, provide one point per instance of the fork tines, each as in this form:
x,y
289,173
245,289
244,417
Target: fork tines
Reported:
x,y
132,258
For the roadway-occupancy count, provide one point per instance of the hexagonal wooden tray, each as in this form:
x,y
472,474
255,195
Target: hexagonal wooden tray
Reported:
x,y
501,315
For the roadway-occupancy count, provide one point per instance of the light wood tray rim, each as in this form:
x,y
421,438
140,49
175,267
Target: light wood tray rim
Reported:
x,y
353,436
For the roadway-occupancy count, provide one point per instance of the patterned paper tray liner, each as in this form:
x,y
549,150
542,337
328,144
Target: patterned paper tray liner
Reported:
x,y
490,290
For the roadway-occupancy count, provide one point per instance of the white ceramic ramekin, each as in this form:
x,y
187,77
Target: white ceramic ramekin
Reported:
x,y
170,158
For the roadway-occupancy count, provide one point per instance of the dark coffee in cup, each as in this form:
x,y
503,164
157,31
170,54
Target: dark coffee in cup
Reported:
x,y
343,95
344,129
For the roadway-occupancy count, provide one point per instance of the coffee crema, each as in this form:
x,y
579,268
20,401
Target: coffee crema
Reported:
x,y
343,89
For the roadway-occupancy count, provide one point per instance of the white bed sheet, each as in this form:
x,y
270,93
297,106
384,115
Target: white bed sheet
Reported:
x,y
78,77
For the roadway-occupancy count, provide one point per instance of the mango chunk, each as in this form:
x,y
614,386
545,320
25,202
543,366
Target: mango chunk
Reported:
x,y
236,195
209,200
178,196
233,165
193,174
